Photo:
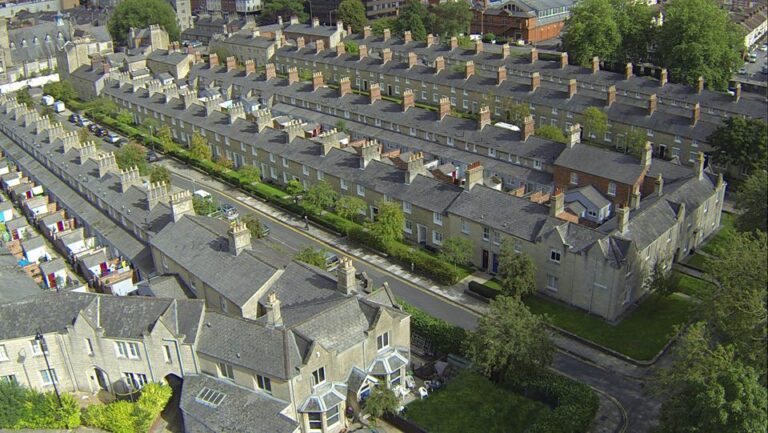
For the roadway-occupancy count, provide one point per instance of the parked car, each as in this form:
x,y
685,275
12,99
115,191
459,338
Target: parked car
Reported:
x,y
74,118
111,137
265,230
743,71
47,100
229,211
152,156
764,47
59,106
331,261
93,127
82,121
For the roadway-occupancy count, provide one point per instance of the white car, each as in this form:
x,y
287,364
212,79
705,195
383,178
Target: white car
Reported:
x,y
743,71
764,47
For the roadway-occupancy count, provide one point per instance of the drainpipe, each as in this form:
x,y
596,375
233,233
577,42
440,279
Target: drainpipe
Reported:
x,y
149,361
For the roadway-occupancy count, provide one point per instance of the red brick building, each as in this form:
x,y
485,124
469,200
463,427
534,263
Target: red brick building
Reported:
x,y
529,20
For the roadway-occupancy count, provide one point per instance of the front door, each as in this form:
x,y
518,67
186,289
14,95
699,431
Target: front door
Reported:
x,y
485,259
101,379
389,90
421,232
495,264
662,151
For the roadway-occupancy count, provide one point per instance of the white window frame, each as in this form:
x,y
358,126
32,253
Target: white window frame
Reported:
x,y
552,282
226,371
555,256
382,341
49,376
437,218
318,376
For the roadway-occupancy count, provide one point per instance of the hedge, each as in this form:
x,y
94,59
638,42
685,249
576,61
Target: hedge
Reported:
x,y
127,417
24,408
444,337
483,290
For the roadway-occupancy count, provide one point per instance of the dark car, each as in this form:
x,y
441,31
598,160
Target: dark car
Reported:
x,y
101,132
74,118
152,156
93,127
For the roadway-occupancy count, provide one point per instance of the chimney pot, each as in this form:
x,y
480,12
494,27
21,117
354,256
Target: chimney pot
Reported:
x,y
430,40
408,101
375,92
345,86
269,71
695,114
501,75
293,75
505,51
528,127
610,96
317,80
469,69
478,46
367,32
484,117
535,81
319,46
213,60
628,71
595,65
454,43
572,88
699,85
557,203
445,107
362,52
663,77
407,38
652,104
534,55
412,59
563,60
439,64
387,34
386,56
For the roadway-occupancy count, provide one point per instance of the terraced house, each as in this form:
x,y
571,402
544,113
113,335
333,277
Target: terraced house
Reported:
x,y
596,262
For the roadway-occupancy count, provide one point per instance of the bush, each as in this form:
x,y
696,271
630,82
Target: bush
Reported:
x,y
444,337
483,290
27,408
127,417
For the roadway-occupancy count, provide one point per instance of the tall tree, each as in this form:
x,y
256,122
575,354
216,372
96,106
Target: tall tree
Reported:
x,y
254,225
165,135
707,389
389,222
517,273
350,207
591,31
23,97
552,132
634,20
595,122
742,142
509,340
378,26
249,173
320,196
751,202
199,148
412,16
312,256
451,18
283,8
382,400
61,90
698,38
456,251
132,154
517,113
140,14
352,13
159,173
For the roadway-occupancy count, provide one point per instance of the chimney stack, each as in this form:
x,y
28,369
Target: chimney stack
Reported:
x,y
647,157
362,52
412,59
346,281
319,46
274,315
484,117
473,175
478,46
700,165
341,49
415,166
129,177
439,64
107,163
699,85
317,80
628,71
181,204
535,81
294,129
574,135
610,96
386,56
367,32
534,55
329,140
622,217
375,92
505,51
695,114
407,38
213,60
454,43
595,65
663,77
469,69
299,43
369,151
563,60
239,237
737,92
445,107
269,71
557,203
293,75
529,127
236,111
387,34
634,200
572,87
658,185
501,75
430,40
408,101
231,63
652,104
156,192
345,87
315,22
250,67
263,119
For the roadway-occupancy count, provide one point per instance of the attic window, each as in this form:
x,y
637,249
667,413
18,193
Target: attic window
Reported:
x,y
210,397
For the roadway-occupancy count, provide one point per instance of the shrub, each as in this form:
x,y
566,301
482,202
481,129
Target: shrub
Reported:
x,y
127,417
27,408
444,337
483,290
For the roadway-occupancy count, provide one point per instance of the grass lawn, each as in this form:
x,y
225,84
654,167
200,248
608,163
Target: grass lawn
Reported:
x,y
471,403
692,286
641,335
697,261
717,245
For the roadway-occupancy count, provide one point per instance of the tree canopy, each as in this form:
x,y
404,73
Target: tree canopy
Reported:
x,y
312,256
595,122
456,251
159,173
742,142
389,222
412,18
140,14
552,132
591,31
60,90
350,207
132,154
199,148
517,273
320,196
352,13
751,202
451,18
283,8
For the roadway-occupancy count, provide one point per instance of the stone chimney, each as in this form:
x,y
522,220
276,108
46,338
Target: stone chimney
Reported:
x,y
367,32
387,34
652,104
610,96
315,22
129,177
369,151
634,200
534,55
415,166
345,87
628,71
106,68
430,40
412,59
269,71
557,203
181,204
250,67
535,81
574,135
699,85
408,101
386,56
658,185
341,49
375,92
329,140
736,92
107,163
454,43
700,165
69,141
293,20
171,93
293,75
407,37
595,64
211,105
231,63
317,80
478,46
445,107
189,98
469,69
362,52
294,129
346,281
529,126
272,308
505,51
156,192
87,151
299,43
622,218
663,77
263,119
473,175
439,64
563,60
55,132
236,111
647,157
239,237
695,114
484,117
213,60
501,75
572,87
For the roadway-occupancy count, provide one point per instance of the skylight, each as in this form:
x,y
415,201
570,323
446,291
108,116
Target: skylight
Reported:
x,y
209,397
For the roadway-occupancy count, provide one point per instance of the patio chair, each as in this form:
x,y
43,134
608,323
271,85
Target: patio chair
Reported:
x,y
410,382
423,393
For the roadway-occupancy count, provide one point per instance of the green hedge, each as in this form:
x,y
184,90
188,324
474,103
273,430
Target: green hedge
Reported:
x,y
127,417
444,337
24,408
483,290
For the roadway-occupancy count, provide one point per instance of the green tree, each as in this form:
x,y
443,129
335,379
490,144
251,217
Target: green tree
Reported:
x,y
751,202
707,389
378,26
199,148
509,340
595,122
389,223
99,106
255,226
312,256
60,90
23,97
451,18
222,53
635,23
320,196
224,163
132,154
249,173
48,112
635,142
456,251
412,16
165,135
350,207
591,31
381,400
12,399
742,142
352,13
517,273
352,48
283,8
659,280
204,205
294,187
698,38
159,173
552,132
125,117
737,312
517,113
140,14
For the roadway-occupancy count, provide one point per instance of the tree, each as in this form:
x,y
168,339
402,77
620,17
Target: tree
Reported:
x,y
283,8
125,117
12,399
254,225
60,90
517,273
595,122
350,207
140,14
742,142
352,48
352,13
320,196
451,18
224,163
204,205
151,125
591,31
517,113
159,173
199,148
381,400
312,256
658,280
249,174
389,223
751,202
132,154
698,38
23,97
294,187
489,37
456,251
99,106
411,18
165,135
552,132
47,112
707,389
737,312
509,340
378,26
635,142
635,23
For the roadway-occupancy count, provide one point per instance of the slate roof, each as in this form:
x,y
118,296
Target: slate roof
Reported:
x,y
37,42
604,163
165,286
30,244
241,411
246,38
174,58
592,194
72,236
16,284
